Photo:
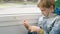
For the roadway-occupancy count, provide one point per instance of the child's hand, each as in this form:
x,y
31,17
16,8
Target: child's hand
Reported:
x,y
25,23
31,28
34,28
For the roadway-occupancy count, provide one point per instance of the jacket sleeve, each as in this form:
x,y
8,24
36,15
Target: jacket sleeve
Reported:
x,y
56,27
40,24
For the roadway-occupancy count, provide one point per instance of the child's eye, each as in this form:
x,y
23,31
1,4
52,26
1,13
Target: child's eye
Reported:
x,y
42,10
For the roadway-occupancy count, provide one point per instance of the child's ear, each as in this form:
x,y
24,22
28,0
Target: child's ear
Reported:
x,y
51,8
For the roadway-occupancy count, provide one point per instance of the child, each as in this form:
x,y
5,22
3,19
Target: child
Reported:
x,y
49,23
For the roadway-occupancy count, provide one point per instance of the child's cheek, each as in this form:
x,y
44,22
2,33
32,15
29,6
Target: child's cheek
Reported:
x,y
45,13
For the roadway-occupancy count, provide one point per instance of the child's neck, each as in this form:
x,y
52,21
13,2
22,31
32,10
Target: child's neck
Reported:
x,y
51,15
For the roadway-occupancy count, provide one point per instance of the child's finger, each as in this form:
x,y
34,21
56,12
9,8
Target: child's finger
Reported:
x,y
25,22
32,30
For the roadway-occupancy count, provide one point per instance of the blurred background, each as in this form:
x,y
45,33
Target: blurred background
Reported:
x,y
57,3
18,2
13,12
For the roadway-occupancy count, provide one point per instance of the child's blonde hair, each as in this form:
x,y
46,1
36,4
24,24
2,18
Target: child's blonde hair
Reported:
x,y
46,3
